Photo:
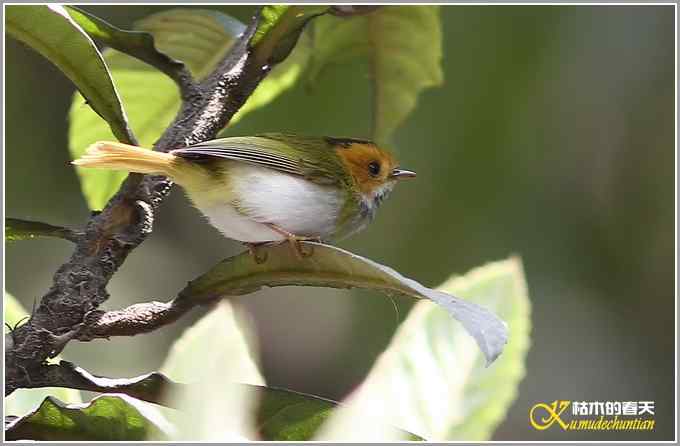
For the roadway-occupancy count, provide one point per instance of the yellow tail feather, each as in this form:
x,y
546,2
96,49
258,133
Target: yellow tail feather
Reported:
x,y
119,156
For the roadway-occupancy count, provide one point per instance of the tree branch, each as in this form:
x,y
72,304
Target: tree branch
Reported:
x,y
79,285
133,320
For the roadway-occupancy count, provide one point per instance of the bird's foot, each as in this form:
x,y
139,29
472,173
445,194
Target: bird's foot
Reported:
x,y
258,254
299,251
295,242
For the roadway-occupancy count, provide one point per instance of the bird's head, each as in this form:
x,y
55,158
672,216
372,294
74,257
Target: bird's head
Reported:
x,y
374,170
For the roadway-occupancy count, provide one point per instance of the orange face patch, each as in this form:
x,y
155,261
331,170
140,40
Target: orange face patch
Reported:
x,y
369,165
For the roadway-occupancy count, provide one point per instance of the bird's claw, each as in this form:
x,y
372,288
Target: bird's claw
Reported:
x,y
295,242
298,248
259,255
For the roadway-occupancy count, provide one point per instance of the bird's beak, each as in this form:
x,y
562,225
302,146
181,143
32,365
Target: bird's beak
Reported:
x,y
401,174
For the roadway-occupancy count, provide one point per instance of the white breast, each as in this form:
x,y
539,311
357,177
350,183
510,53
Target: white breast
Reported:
x,y
259,195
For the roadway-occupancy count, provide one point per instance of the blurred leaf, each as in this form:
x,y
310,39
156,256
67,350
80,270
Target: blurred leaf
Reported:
x,y
281,414
13,311
134,43
403,45
281,26
352,10
16,229
282,77
285,415
104,418
431,380
49,30
333,267
278,30
199,38
23,401
216,338
212,356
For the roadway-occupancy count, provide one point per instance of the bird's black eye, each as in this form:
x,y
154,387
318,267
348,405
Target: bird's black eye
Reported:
x,y
374,168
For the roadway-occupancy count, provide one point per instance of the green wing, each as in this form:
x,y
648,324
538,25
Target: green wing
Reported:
x,y
311,158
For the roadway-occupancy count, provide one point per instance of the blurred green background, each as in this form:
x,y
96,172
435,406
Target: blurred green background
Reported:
x,y
552,138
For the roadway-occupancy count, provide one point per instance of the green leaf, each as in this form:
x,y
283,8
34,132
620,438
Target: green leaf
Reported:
x,y
105,418
212,356
278,30
333,267
431,380
23,401
403,46
16,229
138,44
49,30
199,38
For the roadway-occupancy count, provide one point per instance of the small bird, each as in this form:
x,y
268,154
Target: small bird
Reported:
x,y
272,187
